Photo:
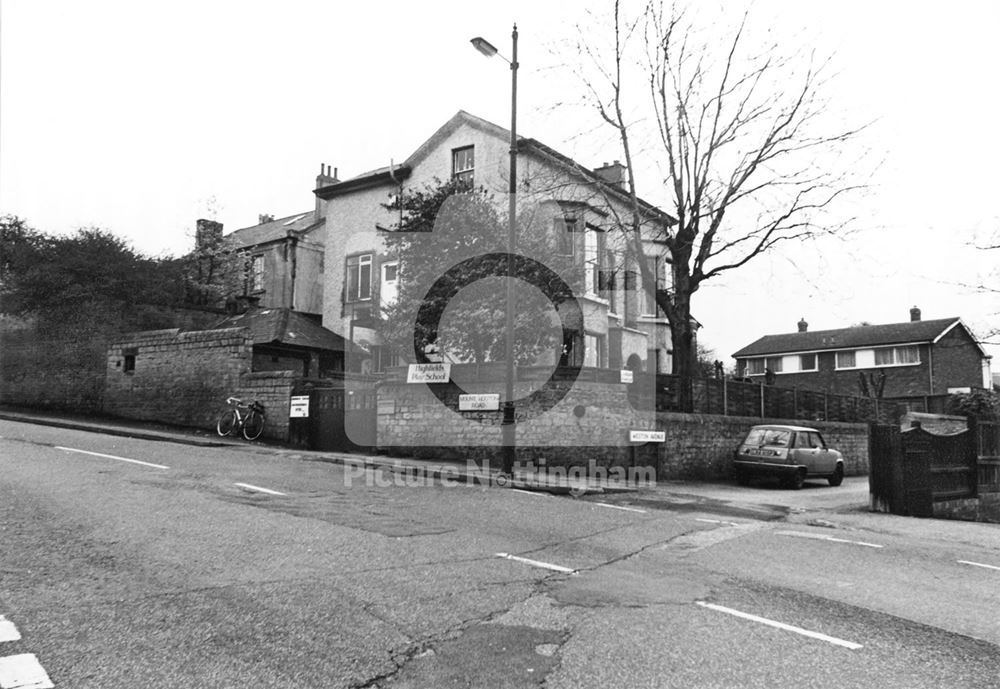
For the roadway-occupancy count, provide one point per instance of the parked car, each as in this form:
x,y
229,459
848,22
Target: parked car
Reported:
x,y
790,453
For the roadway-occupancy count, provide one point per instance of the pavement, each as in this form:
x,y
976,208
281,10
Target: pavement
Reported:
x,y
468,472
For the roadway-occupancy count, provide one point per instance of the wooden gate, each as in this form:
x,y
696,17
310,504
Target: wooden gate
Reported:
x,y
913,469
342,419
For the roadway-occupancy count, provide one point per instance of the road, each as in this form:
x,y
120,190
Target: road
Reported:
x,y
130,563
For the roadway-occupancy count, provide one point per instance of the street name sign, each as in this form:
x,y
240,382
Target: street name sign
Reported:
x,y
626,376
647,436
483,402
428,373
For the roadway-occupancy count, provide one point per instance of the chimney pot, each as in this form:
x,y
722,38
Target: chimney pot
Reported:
x,y
803,326
914,314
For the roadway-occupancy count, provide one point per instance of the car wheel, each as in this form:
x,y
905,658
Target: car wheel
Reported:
x,y
796,480
838,476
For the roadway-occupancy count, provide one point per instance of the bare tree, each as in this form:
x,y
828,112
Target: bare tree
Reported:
x,y
739,147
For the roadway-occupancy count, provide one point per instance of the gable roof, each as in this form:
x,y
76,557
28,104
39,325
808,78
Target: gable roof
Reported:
x,y
849,338
284,326
384,175
276,229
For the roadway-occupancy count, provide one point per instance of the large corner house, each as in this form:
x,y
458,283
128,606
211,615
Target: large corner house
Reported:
x,y
907,360
620,328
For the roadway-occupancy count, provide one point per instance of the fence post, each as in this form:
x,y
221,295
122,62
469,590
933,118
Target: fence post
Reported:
x,y
725,398
762,401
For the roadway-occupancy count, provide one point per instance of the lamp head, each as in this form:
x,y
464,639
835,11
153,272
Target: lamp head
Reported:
x,y
483,46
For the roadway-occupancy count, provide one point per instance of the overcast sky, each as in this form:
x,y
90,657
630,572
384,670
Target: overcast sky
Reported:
x,y
140,117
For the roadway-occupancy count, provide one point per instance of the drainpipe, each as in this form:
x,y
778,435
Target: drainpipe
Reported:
x,y
293,242
930,368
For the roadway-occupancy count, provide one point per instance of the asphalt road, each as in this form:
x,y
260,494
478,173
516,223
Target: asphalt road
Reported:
x,y
130,563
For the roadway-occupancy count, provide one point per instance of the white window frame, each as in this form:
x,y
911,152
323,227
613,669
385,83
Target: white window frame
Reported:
x,y
353,282
463,171
854,357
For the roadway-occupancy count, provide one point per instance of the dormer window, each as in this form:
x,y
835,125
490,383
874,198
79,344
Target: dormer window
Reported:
x,y
463,165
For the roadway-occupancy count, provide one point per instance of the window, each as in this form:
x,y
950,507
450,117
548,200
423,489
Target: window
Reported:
x,y
382,358
647,299
256,279
389,290
755,367
606,278
359,278
593,255
807,362
594,351
897,356
775,363
564,230
129,363
463,164
846,360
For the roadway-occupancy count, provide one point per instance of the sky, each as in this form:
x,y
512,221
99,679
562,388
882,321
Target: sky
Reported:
x,y
141,117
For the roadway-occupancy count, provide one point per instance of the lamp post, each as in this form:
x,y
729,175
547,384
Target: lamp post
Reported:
x,y
507,429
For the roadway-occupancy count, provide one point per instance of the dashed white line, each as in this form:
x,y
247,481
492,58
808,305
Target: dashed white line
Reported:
x,y
537,563
8,632
818,537
716,521
978,564
620,507
120,459
781,625
23,672
258,489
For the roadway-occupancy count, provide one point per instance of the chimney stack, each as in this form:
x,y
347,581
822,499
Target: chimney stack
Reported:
x,y
324,179
613,174
207,234
914,314
803,326
264,218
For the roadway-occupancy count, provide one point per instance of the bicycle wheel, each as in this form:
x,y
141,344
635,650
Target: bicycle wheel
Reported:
x,y
227,422
253,425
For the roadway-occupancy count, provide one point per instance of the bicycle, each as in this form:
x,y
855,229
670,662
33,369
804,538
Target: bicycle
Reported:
x,y
245,417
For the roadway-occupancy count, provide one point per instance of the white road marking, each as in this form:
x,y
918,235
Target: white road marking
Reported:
x,y
818,537
537,563
781,625
978,564
8,632
23,672
716,521
258,489
120,459
530,492
620,507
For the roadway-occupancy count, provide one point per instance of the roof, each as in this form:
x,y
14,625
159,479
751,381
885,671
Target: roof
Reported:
x,y
850,338
383,175
273,230
284,326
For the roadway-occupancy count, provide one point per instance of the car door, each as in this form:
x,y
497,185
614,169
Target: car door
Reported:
x,y
804,451
826,460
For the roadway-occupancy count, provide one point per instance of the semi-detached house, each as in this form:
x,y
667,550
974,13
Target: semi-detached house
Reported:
x,y
912,359
621,323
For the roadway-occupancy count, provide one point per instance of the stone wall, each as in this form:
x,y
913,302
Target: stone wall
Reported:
x,y
273,389
590,424
174,377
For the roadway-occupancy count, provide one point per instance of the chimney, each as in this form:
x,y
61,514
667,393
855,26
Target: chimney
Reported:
x,y
613,174
803,326
324,179
207,234
264,218
914,314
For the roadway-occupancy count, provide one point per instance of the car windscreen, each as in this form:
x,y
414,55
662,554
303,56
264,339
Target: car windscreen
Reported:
x,y
768,436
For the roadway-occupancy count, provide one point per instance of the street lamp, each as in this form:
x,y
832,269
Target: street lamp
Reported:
x,y
507,430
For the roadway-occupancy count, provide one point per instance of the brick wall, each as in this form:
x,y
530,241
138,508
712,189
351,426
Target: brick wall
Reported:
x,y
957,362
590,424
178,378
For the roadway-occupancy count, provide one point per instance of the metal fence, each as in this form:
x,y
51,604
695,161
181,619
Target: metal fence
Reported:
x,y
988,452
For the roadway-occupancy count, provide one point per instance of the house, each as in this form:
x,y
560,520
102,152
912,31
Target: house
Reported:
x,y
287,340
622,327
913,359
279,260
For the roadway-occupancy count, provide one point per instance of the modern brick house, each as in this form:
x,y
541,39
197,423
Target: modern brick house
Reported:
x,y
621,327
912,359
